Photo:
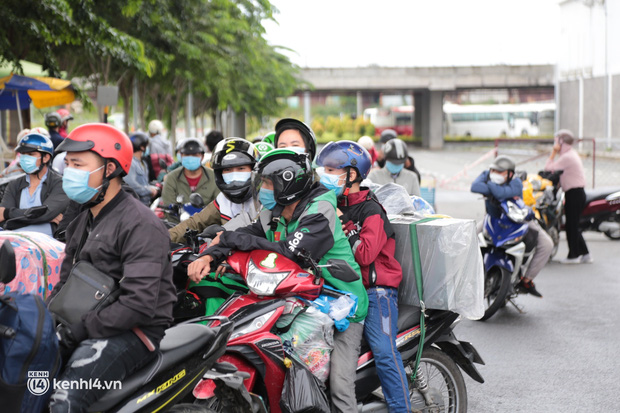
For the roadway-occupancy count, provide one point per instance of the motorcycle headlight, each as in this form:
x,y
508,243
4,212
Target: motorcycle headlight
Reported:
x,y
261,282
517,214
253,325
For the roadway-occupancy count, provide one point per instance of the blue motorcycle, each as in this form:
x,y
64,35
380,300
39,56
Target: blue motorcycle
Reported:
x,y
507,251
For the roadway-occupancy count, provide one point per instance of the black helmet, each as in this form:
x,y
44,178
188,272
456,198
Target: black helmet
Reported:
x,y
388,134
395,151
230,153
503,163
190,146
306,133
139,141
52,120
291,174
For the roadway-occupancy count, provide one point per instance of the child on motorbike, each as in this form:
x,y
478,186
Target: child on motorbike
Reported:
x,y
371,236
497,184
299,218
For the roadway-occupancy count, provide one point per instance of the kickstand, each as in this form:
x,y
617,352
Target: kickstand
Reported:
x,y
519,309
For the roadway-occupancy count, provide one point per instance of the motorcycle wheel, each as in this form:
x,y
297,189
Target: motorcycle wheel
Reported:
x,y
190,408
496,285
614,235
444,380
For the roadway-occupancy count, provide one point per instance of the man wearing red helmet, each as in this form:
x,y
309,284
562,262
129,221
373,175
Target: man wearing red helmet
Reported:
x,y
121,237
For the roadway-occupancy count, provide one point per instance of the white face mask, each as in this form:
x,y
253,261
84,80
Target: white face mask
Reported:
x,y
497,178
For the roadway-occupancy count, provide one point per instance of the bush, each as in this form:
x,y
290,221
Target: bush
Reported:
x,y
318,126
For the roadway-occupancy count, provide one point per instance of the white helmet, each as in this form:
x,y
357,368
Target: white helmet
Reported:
x,y
366,142
156,127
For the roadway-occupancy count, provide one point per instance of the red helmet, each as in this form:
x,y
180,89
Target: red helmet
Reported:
x,y
103,139
64,114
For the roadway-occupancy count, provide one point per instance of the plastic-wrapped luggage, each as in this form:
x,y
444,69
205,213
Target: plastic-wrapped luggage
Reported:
x,y
38,258
451,263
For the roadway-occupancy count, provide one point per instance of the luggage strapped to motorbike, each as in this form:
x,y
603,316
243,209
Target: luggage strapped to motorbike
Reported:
x,y
417,267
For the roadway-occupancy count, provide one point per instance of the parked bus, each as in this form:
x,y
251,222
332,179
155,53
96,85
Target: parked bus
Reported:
x,y
399,118
488,121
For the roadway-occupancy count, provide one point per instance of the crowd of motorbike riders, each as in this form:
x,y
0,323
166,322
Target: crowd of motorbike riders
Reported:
x,y
97,184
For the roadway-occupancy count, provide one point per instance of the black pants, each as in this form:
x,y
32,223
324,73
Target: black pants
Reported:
x,y
575,203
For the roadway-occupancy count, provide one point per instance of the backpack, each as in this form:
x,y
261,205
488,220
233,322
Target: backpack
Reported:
x,y
29,357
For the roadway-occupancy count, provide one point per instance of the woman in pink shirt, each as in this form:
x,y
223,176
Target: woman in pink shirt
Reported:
x,y
572,182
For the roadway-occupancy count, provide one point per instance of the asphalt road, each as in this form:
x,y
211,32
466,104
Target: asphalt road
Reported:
x,y
562,353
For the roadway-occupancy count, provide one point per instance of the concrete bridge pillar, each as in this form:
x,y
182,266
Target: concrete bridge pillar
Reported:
x,y
307,113
428,118
359,101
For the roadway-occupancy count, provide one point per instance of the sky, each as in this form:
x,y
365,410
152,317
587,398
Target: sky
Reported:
x,y
354,33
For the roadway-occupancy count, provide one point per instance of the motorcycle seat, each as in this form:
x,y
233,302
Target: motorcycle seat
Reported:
x,y
408,316
599,193
179,343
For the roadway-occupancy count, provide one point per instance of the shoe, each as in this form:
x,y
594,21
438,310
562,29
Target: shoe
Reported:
x,y
576,260
587,259
528,286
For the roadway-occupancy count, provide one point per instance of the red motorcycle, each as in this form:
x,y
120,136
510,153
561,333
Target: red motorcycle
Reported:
x,y
255,353
602,212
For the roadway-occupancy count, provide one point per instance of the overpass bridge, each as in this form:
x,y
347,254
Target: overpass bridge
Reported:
x,y
426,84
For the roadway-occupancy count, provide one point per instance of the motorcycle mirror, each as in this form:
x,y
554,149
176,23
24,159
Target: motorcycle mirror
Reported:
x,y
180,199
8,269
342,270
162,164
35,212
196,200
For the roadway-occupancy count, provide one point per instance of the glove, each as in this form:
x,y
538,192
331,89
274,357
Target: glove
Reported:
x,y
353,233
69,337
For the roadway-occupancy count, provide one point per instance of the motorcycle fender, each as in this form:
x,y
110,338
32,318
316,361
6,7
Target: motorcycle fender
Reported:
x,y
465,355
206,388
496,258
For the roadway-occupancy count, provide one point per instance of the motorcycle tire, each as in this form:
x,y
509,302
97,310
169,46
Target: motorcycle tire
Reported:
x,y
444,378
614,235
496,285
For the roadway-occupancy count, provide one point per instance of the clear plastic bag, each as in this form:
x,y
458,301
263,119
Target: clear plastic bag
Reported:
x,y
393,197
310,339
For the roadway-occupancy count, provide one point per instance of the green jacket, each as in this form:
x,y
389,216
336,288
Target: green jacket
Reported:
x,y
176,184
314,228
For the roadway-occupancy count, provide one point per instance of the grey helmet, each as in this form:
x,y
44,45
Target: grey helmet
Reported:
x,y
503,163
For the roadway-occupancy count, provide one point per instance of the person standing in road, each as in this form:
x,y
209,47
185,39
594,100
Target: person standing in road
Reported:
x,y
395,152
572,182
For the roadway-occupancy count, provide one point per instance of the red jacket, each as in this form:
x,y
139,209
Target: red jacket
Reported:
x,y
372,239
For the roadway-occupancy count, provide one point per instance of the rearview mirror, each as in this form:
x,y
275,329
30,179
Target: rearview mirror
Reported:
x,y
196,200
162,164
8,269
180,199
342,270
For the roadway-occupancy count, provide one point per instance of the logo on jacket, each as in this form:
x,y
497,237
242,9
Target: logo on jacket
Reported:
x,y
297,237
38,382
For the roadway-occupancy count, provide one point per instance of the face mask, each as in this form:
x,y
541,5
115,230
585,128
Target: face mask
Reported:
x,y
394,168
147,152
190,162
28,163
331,182
497,178
236,177
75,185
266,198
297,149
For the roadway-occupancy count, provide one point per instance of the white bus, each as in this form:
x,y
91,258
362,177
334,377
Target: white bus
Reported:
x,y
490,121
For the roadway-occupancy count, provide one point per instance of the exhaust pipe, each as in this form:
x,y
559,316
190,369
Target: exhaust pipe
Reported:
x,y
609,226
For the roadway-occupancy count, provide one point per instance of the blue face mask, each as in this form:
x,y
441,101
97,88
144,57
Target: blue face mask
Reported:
x,y
266,198
394,168
331,182
75,185
297,149
236,177
28,163
191,162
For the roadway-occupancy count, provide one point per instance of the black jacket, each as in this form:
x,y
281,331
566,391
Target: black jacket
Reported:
x,y
128,242
52,195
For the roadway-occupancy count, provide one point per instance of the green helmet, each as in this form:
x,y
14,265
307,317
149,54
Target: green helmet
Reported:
x,y
270,138
291,174
263,148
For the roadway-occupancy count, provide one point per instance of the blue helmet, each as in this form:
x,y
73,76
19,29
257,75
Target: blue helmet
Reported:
x,y
342,154
35,142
